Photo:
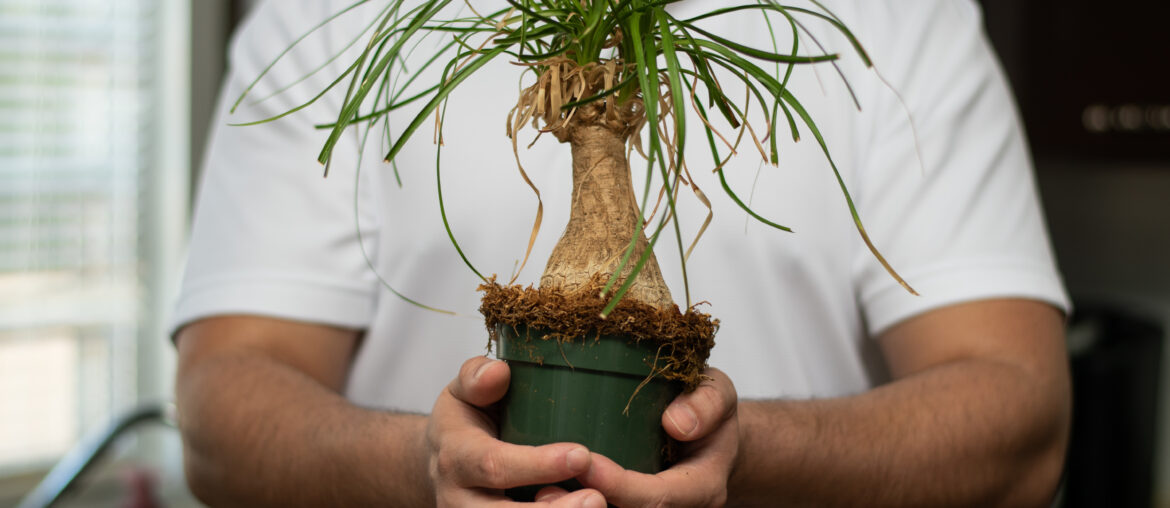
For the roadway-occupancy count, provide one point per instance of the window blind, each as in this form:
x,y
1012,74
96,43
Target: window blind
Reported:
x,y
76,100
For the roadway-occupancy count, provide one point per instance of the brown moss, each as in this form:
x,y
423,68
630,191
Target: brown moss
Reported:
x,y
685,339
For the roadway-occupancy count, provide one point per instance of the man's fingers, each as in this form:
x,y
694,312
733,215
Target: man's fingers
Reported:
x,y
470,467
585,498
550,493
682,485
706,419
694,415
481,382
625,488
497,465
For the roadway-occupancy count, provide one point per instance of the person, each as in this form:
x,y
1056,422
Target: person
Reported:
x,y
302,380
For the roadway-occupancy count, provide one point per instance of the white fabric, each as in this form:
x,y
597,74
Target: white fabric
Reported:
x,y
799,311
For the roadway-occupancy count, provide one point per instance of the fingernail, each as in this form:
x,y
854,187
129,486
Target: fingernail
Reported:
x,y
482,368
593,501
683,418
577,459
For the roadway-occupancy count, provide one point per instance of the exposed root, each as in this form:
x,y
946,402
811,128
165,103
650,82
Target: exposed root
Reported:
x,y
562,82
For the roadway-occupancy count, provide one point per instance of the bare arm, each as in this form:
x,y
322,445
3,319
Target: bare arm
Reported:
x,y
263,423
978,415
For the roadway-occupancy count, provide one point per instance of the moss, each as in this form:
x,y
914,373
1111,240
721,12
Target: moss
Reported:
x,y
685,338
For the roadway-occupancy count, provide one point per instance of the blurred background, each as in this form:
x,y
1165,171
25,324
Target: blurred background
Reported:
x,y
104,106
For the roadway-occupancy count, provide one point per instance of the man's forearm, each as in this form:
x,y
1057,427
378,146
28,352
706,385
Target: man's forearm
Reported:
x,y
965,433
258,433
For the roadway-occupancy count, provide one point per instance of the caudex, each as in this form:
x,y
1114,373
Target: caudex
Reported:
x,y
611,77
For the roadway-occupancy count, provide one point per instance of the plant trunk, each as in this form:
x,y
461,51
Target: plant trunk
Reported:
x,y
603,219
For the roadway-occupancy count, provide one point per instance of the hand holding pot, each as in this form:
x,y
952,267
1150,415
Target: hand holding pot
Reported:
x,y
705,420
469,467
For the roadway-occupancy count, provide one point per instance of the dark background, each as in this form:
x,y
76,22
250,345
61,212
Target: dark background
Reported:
x,y
1093,84
1092,78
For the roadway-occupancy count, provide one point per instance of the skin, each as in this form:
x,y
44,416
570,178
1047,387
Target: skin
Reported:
x,y
978,414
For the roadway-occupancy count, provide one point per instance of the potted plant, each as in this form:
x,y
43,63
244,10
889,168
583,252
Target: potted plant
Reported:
x,y
599,348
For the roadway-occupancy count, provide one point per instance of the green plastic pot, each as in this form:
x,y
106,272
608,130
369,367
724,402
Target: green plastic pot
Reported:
x,y
589,391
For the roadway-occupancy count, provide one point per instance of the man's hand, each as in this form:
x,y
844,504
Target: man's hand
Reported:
x,y
469,466
706,421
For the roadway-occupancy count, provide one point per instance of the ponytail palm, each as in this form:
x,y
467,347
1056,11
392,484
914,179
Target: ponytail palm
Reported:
x,y
608,77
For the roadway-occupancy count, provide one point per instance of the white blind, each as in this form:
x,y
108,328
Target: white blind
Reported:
x,y
76,102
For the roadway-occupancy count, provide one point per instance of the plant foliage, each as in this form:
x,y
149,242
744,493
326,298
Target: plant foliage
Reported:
x,y
648,57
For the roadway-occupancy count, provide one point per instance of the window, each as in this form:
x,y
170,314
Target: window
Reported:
x,y
92,202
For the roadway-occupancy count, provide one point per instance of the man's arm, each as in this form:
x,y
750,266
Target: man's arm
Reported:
x,y
263,424
978,415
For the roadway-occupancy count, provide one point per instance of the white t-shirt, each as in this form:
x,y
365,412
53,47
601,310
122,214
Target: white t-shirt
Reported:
x,y
949,199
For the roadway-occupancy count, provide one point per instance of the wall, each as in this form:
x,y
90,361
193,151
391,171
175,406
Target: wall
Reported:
x,y
1110,226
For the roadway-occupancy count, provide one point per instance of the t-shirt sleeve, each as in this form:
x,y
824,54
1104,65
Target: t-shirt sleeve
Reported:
x,y
950,197
271,236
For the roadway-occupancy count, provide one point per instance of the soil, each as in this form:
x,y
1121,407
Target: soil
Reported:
x,y
684,338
